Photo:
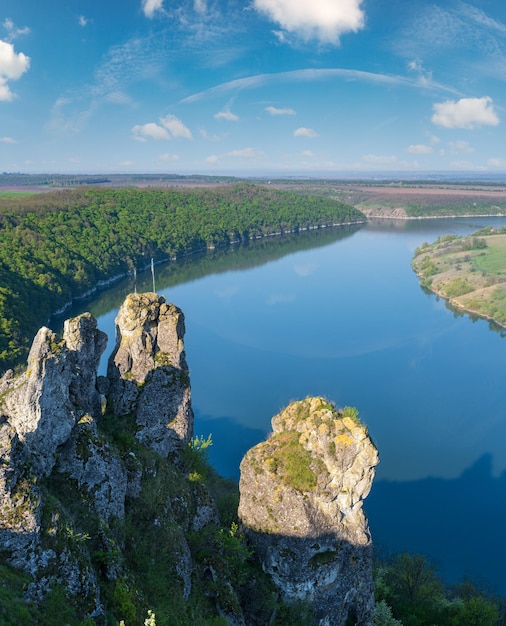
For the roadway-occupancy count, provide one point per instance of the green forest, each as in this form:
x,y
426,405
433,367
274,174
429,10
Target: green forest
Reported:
x,y
60,245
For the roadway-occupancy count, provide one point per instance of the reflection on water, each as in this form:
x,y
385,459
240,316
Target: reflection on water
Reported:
x,y
458,523
340,313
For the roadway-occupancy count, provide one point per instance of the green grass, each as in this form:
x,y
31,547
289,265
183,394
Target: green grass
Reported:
x,y
292,462
16,194
494,261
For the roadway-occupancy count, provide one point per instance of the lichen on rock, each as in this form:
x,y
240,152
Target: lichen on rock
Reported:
x,y
301,506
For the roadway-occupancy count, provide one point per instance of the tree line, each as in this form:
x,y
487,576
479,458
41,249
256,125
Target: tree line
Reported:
x,y
57,246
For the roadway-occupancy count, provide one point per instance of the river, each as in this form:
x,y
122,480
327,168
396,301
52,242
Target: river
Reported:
x,y
340,313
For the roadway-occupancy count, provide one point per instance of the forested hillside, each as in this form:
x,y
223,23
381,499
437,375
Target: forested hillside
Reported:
x,y
58,246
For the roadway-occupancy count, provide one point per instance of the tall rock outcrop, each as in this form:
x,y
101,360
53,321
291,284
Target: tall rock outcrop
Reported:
x,y
301,507
57,453
56,390
148,372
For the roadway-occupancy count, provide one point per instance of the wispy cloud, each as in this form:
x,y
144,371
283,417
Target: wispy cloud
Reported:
x,y
468,113
420,149
13,31
376,159
275,111
226,115
311,75
458,147
12,66
324,20
246,153
7,140
83,21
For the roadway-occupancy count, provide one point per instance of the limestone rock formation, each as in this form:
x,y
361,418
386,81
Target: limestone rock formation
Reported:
x,y
57,389
148,372
52,429
301,505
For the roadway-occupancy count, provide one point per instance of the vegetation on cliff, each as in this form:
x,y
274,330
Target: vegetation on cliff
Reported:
x,y
469,271
58,246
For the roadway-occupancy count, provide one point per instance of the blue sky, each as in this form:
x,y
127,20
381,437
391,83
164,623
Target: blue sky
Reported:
x,y
317,87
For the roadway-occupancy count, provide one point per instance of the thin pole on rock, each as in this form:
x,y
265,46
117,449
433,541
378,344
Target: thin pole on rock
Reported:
x,y
153,274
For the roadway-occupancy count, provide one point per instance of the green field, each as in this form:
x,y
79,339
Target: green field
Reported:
x,y
16,194
470,272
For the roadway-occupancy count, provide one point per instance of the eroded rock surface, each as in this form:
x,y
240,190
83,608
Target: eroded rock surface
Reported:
x,y
148,372
301,505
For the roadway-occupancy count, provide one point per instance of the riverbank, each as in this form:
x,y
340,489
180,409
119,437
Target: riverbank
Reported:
x,y
469,272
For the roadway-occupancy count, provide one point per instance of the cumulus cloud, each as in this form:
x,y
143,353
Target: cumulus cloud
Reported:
x,y
305,132
176,127
419,149
276,111
169,126
226,115
325,20
7,140
151,130
466,113
212,159
150,7
12,66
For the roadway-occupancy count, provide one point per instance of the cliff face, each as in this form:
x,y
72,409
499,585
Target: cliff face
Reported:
x,y
102,498
61,473
148,373
301,505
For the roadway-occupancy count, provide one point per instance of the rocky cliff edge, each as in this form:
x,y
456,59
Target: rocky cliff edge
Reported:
x,y
301,506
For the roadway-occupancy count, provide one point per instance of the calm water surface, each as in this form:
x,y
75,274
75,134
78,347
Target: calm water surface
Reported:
x,y
347,319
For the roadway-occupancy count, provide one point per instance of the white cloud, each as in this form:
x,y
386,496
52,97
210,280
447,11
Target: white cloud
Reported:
x,y
212,159
176,127
83,21
325,20
498,163
150,7
226,115
419,149
167,157
152,130
308,154
168,126
7,140
13,31
200,6
375,159
205,135
464,165
12,66
245,153
466,113
305,132
460,146
275,111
